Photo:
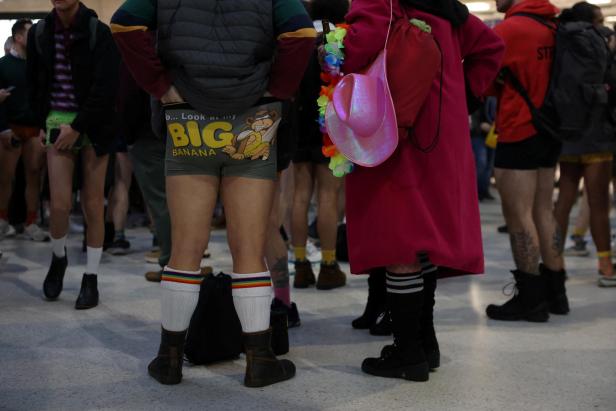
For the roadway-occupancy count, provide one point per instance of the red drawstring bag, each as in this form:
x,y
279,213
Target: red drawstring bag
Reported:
x,y
413,61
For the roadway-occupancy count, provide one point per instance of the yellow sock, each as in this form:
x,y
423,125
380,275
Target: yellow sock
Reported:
x,y
300,253
329,257
579,232
604,254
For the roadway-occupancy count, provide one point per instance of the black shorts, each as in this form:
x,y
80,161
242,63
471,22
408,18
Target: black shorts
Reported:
x,y
531,154
287,136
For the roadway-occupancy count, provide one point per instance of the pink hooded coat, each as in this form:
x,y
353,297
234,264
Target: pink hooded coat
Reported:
x,y
416,201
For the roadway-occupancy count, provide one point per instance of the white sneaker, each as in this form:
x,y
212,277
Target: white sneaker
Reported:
x,y
36,233
607,281
313,254
6,230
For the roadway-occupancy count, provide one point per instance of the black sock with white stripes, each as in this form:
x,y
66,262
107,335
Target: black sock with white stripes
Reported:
x,y
407,283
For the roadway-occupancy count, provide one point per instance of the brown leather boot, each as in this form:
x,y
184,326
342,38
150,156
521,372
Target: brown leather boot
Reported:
x,y
166,368
154,276
330,277
304,276
262,366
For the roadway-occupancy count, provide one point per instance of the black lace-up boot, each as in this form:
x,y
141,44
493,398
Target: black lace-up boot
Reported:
x,y
528,302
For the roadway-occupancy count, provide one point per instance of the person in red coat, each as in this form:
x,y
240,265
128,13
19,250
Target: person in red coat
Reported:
x,y
420,204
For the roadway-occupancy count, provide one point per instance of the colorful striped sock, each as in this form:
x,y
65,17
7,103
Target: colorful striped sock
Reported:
x,y
179,297
252,296
408,283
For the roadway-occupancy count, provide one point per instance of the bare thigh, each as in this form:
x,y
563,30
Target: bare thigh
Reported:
x,y
248,204
191,200
60,166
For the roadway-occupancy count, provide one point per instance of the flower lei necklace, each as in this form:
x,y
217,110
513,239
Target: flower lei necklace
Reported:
x,y
333,61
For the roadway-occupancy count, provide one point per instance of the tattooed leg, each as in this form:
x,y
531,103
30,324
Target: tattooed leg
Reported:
x,y
276,254
525,250
551,237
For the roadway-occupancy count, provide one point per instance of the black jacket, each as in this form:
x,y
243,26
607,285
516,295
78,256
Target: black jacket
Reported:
x,y
95,77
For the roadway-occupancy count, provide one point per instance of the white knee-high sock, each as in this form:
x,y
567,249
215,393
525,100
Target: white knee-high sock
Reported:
x,y
58,245
252,297
180,294
93,259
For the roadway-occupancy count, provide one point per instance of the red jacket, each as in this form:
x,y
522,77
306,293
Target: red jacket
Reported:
x,y
417,201
529,47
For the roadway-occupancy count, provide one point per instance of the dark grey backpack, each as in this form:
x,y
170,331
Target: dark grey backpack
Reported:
x,y
576,102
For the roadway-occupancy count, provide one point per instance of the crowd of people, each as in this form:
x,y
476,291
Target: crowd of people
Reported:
x,y
224,95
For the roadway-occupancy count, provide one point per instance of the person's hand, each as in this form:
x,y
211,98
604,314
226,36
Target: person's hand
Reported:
x,y
4,94
171,96
67,138
5,139
485,127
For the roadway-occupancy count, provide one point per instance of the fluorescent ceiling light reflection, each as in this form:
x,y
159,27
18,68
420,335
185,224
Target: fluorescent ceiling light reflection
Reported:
x,y
600,1
479,6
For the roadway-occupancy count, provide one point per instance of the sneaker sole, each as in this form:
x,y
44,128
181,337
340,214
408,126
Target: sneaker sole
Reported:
x,y
416,372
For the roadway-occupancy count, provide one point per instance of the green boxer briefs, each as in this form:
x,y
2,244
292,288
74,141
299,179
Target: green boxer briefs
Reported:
x,y
232,145
55,119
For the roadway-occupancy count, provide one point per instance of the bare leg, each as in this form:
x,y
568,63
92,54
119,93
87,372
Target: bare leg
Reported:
x,y
33,161
191,201
517,190
61,165
93,196
304,184
248,205
9,157
119,201
570,175
550,235
276,251
597,177
327,223
582,221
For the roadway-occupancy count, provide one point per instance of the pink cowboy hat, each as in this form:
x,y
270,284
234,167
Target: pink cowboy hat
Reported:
x,y
361,119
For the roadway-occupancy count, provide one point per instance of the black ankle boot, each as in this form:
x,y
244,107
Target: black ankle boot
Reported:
x,y
556,293
52,286
88,295
529,302
166,368
375,306
262,366
429,341
406,358
383,325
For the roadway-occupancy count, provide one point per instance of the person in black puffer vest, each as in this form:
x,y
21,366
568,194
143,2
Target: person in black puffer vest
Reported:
x,y
220,69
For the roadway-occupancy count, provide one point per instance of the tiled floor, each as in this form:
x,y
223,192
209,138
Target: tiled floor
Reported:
x,y
53,357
